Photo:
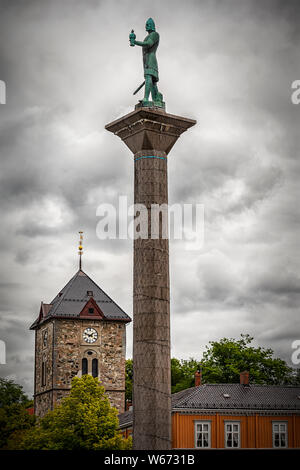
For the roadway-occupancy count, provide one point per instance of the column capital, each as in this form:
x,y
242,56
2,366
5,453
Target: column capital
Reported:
x,y
150,129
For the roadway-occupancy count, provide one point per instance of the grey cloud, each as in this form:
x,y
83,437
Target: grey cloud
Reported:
x,y
69,71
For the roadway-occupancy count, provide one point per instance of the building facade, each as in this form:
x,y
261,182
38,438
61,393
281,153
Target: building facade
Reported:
x,y
233,416
82,331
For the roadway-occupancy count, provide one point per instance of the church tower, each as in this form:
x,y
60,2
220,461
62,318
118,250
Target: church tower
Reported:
x,y
82,331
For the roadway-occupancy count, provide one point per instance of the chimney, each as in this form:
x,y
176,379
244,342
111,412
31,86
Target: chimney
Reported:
x,y
244,378
198,378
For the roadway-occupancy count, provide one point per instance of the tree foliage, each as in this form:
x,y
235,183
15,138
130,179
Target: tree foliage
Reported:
x,y
84,420
14,416
128,379
11,393
183,373
223,361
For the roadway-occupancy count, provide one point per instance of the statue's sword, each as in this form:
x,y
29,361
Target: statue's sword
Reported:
x,y
138,89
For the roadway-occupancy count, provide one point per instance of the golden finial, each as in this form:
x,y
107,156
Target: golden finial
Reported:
x,y
80,248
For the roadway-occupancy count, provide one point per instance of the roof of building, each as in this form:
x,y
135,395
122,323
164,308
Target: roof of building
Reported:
x,y
231,397
240,396
72,299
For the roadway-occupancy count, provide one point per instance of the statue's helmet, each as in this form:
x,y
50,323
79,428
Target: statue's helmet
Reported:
x,y
150,25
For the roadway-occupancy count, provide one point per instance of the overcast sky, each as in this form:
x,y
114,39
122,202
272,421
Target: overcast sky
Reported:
x,y
69,70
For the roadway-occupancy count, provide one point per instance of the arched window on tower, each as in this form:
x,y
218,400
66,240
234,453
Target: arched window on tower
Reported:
x,y
44,372
84,366
95,368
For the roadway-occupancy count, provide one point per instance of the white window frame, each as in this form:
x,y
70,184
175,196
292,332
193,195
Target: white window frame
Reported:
x,y
202,422
236,423
280,423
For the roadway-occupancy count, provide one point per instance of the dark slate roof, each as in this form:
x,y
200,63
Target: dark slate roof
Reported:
x,y
70,301
241,397
265,397
125,418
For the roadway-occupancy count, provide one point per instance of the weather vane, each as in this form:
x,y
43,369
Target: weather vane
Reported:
x,y
80,248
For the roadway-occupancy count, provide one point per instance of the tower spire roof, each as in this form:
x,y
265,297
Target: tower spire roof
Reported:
x,y
77,295
71,300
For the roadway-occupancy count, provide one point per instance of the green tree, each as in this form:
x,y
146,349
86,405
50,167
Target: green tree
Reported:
x,y
223,361
183,373
14,421
11,392
14,416
128,379
84,420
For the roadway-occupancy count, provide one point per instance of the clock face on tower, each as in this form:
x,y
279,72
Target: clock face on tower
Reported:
x,y
90,335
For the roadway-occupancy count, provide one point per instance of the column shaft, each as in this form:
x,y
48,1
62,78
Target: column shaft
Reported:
x,y
151,313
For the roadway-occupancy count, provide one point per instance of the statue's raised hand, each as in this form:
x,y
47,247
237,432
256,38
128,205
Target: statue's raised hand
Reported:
x,y
132,37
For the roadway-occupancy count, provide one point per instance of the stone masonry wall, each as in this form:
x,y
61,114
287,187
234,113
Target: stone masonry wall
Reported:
x,y
43,403
69,348
43,353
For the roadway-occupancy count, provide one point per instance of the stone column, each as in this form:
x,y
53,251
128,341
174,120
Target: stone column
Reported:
x,y
150,134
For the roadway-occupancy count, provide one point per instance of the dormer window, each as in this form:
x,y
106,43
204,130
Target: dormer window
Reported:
x,y
90,293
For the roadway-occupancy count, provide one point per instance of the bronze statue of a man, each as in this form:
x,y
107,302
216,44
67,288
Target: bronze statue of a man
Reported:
x,y
149,45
